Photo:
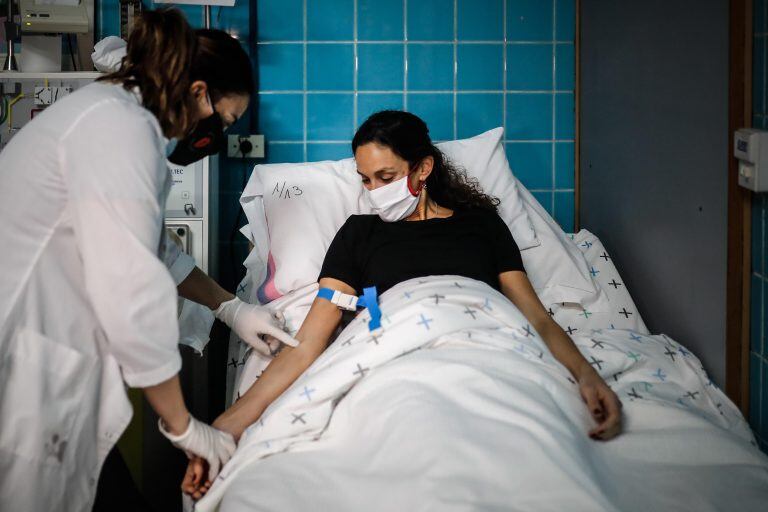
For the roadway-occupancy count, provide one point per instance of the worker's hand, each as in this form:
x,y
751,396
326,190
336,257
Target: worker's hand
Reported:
x,y
194,483
249,321
213,445
603,405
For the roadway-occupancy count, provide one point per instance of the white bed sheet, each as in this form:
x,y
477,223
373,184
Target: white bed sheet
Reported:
x,y
473,414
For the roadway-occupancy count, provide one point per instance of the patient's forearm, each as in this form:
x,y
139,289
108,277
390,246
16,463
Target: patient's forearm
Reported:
x,y
563,348
201,288
322,320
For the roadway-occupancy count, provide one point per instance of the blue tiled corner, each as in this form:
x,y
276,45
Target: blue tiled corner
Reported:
x,y
330,67
758,75
108,16
531,163
764,402
477,113
758,16
380,20
437,111
279,153
565,210
330,20
755,398
565,14
529,116
330,116
529,20
430,67
756,315
280,20
368,104
281,67
480,20
758,212
759,345
565,70
235,20
380,67
565,116
229,202
480,67
281,116
544,198
328,151
564,165
430,20
763,430
529,67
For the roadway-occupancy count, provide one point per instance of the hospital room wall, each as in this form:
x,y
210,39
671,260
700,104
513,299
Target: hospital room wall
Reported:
x,y
758,349
654,155
464,66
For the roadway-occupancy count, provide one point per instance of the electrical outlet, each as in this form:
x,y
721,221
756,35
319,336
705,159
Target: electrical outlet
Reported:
x,y
234,149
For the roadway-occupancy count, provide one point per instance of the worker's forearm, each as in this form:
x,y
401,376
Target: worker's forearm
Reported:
x,y
563,348
168,402
199,287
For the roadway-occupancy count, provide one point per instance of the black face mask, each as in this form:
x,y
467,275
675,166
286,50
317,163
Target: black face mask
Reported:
x,y
206,139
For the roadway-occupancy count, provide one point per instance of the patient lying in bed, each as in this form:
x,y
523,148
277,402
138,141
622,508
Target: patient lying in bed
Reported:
x,y
431,220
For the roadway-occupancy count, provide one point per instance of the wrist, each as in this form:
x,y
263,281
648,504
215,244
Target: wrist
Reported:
x,y
178,424
221,298
583,370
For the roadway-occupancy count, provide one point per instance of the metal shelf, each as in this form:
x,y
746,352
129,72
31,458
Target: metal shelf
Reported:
x,y
66,75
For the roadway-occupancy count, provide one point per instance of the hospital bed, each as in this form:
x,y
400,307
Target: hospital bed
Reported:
x,y
455,404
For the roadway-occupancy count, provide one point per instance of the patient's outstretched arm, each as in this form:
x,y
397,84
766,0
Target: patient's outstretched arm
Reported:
x,y
290,363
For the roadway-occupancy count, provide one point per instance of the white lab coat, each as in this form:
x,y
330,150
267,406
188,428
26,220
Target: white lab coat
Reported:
x,y
85,301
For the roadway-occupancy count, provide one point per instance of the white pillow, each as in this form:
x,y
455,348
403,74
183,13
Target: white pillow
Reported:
x,y
557,269
294,211
484,158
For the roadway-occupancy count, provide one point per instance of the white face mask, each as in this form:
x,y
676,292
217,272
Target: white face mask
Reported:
x,y
394,201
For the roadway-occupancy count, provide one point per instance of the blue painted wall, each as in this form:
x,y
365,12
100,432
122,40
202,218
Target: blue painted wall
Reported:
x,y
758,353
464,66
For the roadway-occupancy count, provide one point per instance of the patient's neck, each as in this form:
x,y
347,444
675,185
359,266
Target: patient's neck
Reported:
x,y
428,209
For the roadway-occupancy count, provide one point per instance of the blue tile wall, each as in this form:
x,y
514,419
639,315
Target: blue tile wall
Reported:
x,y
465,66
758,347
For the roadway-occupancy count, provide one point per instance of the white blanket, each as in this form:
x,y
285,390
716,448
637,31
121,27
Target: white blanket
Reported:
x,y
457,405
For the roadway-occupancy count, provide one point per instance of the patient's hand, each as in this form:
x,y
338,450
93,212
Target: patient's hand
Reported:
x,y
194,483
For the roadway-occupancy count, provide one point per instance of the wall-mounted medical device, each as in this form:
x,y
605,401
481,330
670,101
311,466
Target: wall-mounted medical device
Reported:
x,y
750,147
54,16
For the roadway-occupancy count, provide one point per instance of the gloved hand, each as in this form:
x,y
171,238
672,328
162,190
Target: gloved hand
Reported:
x,y
215,446
250,320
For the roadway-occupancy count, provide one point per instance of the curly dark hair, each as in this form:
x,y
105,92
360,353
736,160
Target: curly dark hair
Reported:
x,y
408,137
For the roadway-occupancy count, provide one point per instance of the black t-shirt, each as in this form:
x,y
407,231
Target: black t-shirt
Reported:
x,y
370,252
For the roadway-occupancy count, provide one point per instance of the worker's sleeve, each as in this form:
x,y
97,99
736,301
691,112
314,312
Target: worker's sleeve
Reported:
x,y
115,174
179,263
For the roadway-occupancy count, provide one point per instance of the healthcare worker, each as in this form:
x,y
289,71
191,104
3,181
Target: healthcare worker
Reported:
x,y
86,302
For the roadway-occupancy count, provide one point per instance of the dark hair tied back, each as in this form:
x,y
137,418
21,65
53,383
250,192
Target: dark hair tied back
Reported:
x,y
165,56
408,137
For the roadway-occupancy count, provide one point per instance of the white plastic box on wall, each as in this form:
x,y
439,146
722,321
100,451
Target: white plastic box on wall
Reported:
x,y
750,147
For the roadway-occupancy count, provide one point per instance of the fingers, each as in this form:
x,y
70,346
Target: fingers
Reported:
x,y
193,477
200,492
213,468
589,394
281,335
611,426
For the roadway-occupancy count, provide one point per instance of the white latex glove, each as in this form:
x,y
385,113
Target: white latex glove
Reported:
x,y
214,445
249,321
